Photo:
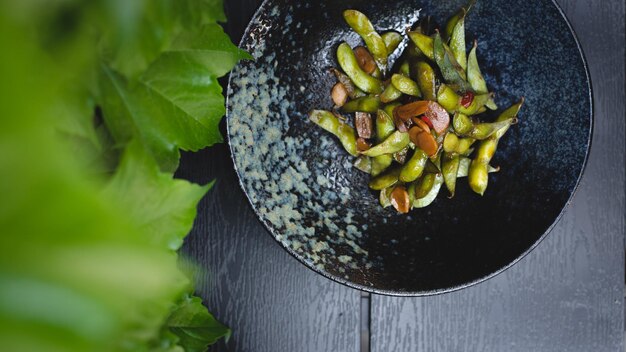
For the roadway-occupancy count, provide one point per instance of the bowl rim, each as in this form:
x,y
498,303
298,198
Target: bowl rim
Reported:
x,y
387,292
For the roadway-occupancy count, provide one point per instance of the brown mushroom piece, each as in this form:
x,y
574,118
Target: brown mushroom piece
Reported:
x,y
364,125
400,199
416,108
339,94
427,143
421,124
364,59
362,145
438,117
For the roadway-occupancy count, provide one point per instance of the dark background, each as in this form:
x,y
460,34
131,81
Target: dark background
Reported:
x,y
566,295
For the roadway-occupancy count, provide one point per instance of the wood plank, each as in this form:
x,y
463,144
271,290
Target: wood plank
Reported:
x,y
272,302
567,295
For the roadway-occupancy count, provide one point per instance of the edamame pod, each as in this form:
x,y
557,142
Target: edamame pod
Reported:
x,y
424,43
426,80
475,77
384,125
450,169
447,98
457,42
476,105
405,68
350,66
385,180
450,69
384,197
464,166
434,181
394,143
353,91
390,94
380,164
462,124
328,121
414,168
463,11
391,39
478,174
405,85
363,163
485,130
364,104
362,25
390,107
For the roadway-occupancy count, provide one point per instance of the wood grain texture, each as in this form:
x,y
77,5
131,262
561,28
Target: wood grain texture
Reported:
x,y
567,295
271,301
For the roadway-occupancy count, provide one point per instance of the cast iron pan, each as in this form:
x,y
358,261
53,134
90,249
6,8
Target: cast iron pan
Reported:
x,y
304,189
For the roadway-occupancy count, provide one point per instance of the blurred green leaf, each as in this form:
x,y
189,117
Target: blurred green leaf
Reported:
x,y
195,327
87,252
177,103
160,205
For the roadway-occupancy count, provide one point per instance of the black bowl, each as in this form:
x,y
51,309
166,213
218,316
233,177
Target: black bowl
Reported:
x,y
304,189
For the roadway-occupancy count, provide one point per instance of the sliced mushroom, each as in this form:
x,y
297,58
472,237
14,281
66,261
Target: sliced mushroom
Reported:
x,y
400,199
365,60
413,132
416,108
364,124
339,94
421,124
427,143
438,117
399,122
362,145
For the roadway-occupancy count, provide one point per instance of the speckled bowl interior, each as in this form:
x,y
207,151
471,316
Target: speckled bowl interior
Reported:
x,y
303,187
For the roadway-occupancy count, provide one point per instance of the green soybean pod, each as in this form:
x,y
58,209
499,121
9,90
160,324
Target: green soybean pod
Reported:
x,y
450,169
390,107
447,98
434,181
457,42
462,124
362,25
384,125
426,80
405,68
380,163
328,121
391,39
386,180
482,131
368,104
353,91
424,43
350,66
391,93
450,69
405,85
475,77
461,13
474,108
464,166
384,197
414,168
478,174
394,143
363,163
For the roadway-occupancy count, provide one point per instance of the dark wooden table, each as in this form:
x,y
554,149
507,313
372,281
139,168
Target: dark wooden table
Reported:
x,y
567,295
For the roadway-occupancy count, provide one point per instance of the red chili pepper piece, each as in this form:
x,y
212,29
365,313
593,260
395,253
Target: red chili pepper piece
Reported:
x,y
467,99
427,120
